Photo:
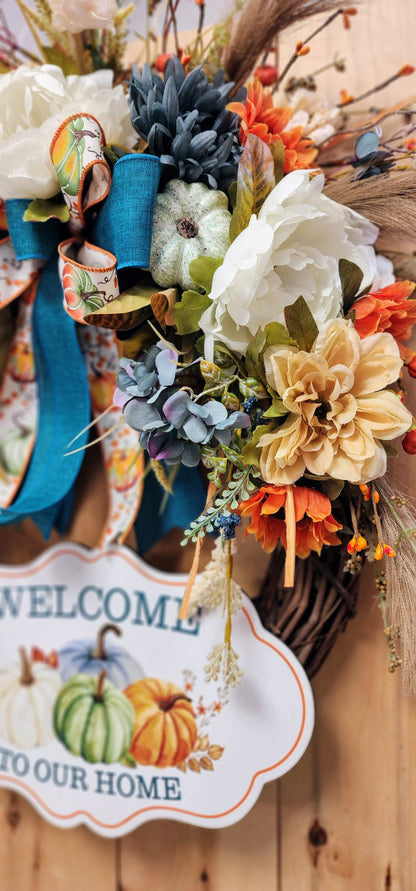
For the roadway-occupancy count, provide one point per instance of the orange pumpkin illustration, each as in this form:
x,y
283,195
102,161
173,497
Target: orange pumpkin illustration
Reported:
x,y
21,363
165,730
81,294
102,387
124,471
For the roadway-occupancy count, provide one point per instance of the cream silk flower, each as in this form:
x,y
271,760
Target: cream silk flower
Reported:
x,y
338,410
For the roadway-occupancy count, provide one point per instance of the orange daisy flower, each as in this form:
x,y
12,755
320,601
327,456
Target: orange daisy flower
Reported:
x,y
315,525
388,310
260,117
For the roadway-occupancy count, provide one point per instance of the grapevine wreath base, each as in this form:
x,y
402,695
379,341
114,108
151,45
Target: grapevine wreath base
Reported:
x,y
310,616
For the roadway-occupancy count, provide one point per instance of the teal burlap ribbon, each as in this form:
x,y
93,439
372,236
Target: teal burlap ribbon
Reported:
x,y
32,240
124,227
63,408
124,224
187,502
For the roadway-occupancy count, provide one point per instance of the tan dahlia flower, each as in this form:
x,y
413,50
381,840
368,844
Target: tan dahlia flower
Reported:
x,y
339,411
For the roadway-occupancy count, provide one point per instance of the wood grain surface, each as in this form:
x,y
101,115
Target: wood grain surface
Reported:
x,y
345,818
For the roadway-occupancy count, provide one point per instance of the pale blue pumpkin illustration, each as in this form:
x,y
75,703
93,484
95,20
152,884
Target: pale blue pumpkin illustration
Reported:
x,y
86,656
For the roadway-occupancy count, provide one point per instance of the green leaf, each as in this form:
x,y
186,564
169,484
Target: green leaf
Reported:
x,y
225,357
202,271
277,335
390,451
231,402
301,324
212,373
252,387
351,277
278,152
55,56
332,488
128,309
273,334
250,453
128,761
42,209
187,313
255,181
113,153
276,410
232,195
253,351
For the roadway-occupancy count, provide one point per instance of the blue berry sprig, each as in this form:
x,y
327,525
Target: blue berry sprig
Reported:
x,y
228,524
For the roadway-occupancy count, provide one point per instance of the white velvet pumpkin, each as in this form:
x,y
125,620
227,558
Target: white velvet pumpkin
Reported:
x,y
27,696
189,221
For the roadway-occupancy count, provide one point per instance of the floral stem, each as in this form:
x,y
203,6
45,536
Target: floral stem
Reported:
x,y
353,517
408,533
294,57
375,512
290,520
198,42
376,89
227,634
174,23
217,387
183,611
79,50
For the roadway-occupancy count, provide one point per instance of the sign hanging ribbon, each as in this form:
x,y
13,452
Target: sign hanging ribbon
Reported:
x,y
18,403
123,458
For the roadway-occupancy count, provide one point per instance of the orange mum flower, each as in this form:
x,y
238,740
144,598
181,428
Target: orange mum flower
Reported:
x,y
260,117
388,310
315,525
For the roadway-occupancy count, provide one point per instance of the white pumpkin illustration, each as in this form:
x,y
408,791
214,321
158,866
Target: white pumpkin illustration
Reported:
x,y
27,695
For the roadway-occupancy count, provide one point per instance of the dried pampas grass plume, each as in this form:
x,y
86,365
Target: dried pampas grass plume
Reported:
x,y
398,521
388,200
257,26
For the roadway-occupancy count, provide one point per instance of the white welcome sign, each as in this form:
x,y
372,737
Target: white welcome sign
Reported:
x,y
105,714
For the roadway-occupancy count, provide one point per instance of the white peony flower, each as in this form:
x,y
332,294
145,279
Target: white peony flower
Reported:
x,y
291,249
385,273
33,103
78,15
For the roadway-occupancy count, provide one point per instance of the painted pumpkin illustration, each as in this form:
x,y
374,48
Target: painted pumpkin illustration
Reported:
x,y
92,656
102,386
14,446
68,148
81,294
21,363
165,730
125,469
93,719
27,695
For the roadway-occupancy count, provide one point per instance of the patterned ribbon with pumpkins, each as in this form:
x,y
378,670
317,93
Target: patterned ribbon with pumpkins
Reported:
x,y
122,229
90,281
88,273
